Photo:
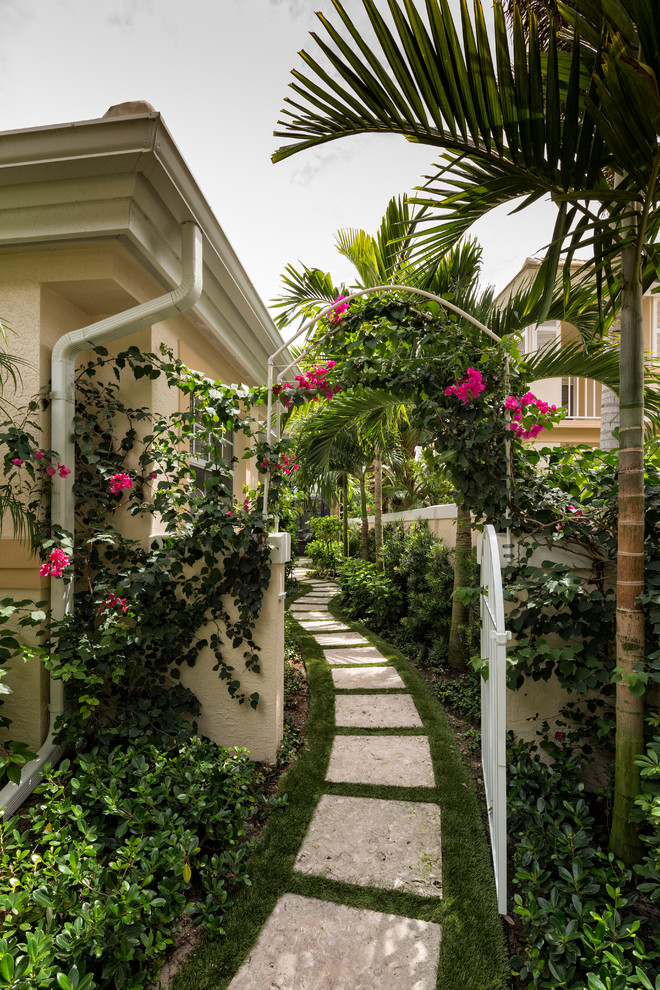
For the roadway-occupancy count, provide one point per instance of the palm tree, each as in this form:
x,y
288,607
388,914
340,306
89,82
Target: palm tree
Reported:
x,y
525,123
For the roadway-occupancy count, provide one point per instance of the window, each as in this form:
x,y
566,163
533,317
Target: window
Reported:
x,y
222,444
534,338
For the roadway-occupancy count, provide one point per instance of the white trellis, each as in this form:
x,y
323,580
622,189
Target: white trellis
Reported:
x,y
493,705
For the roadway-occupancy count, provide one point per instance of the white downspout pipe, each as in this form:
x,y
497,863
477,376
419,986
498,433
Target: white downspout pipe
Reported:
x,y
63,363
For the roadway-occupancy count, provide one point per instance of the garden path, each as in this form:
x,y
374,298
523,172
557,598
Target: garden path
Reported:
x,y
356,839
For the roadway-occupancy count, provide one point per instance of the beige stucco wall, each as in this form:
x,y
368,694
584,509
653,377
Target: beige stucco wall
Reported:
x,y
222,718
47,292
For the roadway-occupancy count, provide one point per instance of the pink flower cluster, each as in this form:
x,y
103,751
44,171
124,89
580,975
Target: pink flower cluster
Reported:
x,y
53,566
337,311
310,385
469,388
284,464
529,404
112,601
50,469
119,481
60,469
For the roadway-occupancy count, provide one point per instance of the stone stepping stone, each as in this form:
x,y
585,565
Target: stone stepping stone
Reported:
x,y
363,654
309,944
309,616
374,843
376,711
366,677
313,600
395,761
318,625
308,606
340,639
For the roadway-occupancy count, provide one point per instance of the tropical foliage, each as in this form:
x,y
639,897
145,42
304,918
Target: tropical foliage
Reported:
x,y
526,122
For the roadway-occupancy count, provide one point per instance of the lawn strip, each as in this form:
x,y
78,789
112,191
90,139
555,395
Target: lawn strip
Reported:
x,y
215,962
473,951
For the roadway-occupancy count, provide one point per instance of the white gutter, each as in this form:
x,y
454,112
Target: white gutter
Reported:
x,y
63,363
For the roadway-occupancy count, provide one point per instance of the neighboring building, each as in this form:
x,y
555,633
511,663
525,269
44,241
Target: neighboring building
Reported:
x,y
579,396
91,224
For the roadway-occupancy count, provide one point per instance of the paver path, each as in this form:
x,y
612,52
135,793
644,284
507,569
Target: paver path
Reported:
x,y
312,944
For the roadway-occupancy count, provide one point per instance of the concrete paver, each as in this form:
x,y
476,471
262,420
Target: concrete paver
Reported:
x,y
310,615
366,677
359,655
321,625
393,761
309,944
340,639
369,842
376,711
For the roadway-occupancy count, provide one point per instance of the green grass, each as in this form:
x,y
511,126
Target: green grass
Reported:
x,y
473,953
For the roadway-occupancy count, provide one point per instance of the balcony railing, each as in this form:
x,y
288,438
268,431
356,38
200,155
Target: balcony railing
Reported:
x,y
581,398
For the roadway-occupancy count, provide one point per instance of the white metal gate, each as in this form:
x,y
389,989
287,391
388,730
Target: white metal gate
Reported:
x,y
493,705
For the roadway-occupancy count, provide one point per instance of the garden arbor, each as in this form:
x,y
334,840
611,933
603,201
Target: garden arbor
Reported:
x,y
463,533
525,124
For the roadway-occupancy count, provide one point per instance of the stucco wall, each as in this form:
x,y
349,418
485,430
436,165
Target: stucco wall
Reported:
x,y
223,719
47,292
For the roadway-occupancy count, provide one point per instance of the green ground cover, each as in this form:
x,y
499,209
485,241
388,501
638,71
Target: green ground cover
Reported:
x,y
473,952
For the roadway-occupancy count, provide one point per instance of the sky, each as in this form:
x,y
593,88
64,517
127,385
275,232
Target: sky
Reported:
x,y
218,72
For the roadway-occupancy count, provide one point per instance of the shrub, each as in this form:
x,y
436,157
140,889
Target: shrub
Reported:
x,y
325,557
100,871
649,815
572,897
368,595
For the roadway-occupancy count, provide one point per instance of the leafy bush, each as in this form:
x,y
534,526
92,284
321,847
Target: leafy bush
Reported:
x,y
100,871
368,595
463,693
325,557
649,815
573,898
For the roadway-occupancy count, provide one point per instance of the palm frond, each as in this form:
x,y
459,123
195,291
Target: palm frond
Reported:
x,y
306,291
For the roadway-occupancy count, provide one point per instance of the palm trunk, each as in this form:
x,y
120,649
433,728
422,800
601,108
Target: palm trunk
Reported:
x,y
344,498
458,640
364,517
609,409
609,419
624,841
378,510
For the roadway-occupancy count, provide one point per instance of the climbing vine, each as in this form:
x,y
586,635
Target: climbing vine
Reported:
x,y
144,608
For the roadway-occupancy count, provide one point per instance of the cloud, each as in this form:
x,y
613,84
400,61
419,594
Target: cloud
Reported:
x,y
295,8
318,162
125,16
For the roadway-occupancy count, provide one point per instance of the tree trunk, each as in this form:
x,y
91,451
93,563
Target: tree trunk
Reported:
x,y
458,640
365,517
609,419
378,510
624,840
609,408
344,499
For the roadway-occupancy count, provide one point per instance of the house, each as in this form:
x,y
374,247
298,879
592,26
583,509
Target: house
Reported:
x,y
580,397
105,236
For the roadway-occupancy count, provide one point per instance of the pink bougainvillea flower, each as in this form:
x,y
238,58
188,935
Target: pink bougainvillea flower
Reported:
x,y
55,563
154,474
559,735
468,388
228,513
38,454
63,471
17,461
119,481
51,470
338,309
112,601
